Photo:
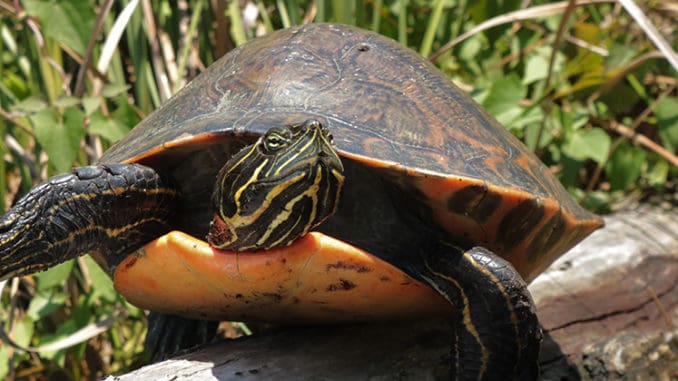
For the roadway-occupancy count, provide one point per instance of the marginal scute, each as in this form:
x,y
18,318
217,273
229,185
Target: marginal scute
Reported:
x,y
549,235
474,201
465,200
519,222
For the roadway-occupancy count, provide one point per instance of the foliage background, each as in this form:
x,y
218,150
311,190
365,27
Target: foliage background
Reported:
x,y
578,81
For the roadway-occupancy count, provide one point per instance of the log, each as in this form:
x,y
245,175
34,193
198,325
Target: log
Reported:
x,y
607,308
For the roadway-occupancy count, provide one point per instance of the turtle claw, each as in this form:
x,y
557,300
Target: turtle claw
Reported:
x,y
169,334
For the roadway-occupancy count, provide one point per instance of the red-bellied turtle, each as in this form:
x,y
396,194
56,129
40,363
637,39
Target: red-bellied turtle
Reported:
x,y
403,178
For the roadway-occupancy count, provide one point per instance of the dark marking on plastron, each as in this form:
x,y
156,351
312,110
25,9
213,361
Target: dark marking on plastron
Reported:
x,y
349,266
519,222
131,262
548,236
343,285
275,297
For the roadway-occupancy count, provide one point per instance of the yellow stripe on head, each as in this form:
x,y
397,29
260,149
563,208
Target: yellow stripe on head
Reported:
x,y
277,189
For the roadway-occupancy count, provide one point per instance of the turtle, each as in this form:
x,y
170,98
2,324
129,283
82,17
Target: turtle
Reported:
x,y
320,173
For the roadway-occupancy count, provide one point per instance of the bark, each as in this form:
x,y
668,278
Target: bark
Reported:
x,y
607,307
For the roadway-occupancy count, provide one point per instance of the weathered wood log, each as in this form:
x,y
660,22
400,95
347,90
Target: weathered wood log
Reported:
x,y
607,308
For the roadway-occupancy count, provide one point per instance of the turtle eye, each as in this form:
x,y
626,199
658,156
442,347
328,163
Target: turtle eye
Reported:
x,y
274,142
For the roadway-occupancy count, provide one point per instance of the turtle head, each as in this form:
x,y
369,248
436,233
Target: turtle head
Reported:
x,y
277,189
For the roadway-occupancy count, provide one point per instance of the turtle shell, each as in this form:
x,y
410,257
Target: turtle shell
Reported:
x,y
389,110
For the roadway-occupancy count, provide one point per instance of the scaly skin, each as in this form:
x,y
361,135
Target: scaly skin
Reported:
x,y
109,209
496,331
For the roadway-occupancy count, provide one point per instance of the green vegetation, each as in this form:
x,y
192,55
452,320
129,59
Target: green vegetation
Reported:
x,y
580,82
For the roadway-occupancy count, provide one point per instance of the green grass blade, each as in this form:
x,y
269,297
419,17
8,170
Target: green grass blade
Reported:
x,y
402,22
284,16
376,15
192,33
431,28
293,12
321,11
237,28
264,16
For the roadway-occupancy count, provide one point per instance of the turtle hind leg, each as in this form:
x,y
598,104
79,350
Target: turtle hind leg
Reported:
x,y
496,331
106,209
169,334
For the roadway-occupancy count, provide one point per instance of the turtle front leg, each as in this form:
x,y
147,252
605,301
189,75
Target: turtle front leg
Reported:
x,y
496,331
109,209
